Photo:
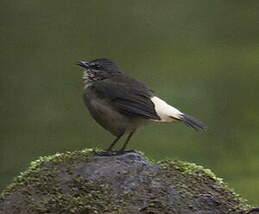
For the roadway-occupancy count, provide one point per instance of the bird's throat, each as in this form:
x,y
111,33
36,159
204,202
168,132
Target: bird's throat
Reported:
x,y
87,78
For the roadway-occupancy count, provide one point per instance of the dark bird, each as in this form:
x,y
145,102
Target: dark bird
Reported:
x,y
121,104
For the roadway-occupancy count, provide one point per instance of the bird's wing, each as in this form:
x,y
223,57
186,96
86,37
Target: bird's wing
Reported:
x,y
129,100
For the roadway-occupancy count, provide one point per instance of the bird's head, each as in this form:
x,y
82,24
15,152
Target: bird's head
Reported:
x,y
98,69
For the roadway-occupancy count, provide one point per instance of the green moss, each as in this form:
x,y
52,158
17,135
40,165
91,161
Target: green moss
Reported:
x,y
36,166
53,181
194,169
81,195
199,171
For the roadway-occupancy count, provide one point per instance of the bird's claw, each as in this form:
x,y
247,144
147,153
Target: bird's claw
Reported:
x,y
113,152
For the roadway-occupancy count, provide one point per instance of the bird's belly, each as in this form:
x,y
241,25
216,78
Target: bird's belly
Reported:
x,y
110,119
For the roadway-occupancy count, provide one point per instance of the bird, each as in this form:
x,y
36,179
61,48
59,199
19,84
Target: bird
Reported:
x,y
122,104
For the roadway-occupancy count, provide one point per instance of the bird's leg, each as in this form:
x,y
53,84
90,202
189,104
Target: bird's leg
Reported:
x,y
109,151
122,150
114,142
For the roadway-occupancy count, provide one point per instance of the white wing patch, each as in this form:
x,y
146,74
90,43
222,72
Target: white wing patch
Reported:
x,y
166,112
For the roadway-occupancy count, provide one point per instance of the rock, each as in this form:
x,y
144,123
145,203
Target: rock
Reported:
x,y
81,183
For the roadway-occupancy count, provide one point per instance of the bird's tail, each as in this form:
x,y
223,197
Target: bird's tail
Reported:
x,y
193,122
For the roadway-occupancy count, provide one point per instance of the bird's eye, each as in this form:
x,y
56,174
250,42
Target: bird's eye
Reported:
x,y
96,66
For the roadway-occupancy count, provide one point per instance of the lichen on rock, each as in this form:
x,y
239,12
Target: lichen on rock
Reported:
x,y
81,182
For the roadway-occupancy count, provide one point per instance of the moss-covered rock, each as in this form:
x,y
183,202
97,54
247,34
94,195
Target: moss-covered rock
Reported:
x,y
82,183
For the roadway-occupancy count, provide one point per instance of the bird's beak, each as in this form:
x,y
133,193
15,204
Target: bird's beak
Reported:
x,y
83,64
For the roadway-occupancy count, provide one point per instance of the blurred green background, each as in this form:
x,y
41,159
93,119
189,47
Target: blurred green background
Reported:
x,y
201,56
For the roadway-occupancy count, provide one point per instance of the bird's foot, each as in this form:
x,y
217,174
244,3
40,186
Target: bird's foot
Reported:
x,y
105,153
122,152
113,152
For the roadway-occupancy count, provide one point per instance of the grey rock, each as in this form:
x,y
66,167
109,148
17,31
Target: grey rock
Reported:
x,y
81,183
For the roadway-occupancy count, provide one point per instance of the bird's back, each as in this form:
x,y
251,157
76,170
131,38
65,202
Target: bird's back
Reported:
x,y
123,81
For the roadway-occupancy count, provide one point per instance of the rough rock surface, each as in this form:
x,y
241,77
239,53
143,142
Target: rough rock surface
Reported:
x,y
82,183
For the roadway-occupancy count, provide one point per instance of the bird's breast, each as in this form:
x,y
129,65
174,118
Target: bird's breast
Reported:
x,y
110,119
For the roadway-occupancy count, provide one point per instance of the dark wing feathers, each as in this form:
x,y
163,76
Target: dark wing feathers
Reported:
x,y
131,98
133,108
